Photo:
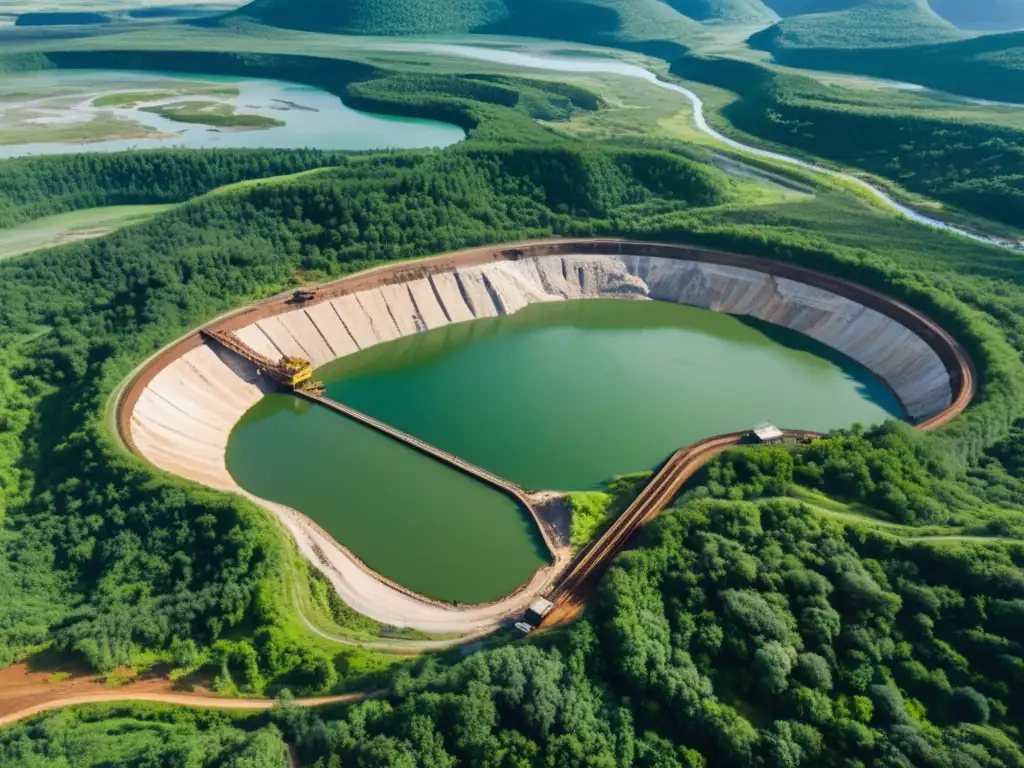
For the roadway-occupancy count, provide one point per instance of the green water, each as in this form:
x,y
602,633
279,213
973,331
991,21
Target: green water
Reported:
x,y
558,396
410,518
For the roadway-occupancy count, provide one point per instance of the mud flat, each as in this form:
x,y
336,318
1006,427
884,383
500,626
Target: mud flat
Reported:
x,y
180,411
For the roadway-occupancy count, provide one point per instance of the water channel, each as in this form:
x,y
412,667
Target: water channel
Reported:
x,y
560,396
73,111
611,66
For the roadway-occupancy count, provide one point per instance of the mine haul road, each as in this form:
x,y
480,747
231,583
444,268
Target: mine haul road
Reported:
x,y
584,572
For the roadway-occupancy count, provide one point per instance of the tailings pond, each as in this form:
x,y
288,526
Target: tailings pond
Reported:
x,y
108,111
560,396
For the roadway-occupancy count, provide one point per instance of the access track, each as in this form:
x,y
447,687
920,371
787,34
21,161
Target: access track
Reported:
x,y
583,573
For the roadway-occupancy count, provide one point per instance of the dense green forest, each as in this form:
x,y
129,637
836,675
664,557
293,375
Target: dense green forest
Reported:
x,y
740,633
872,24
651,25
987,67
31,188
726,11
973,165
787,8
747,629
109,735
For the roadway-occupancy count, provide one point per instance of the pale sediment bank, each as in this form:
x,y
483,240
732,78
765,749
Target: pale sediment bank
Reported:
x,y
180,411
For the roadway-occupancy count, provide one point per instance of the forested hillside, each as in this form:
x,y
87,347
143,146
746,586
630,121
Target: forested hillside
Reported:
x,y
380,17
101,736
872,24
739,634
982,15
634,23
74,182
787,8
728,11
989,67
975,166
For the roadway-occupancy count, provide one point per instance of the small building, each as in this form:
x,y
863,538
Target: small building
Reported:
x,y
766,434
538,609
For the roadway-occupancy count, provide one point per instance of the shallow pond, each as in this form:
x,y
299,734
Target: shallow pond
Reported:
x,y
559,396
72,111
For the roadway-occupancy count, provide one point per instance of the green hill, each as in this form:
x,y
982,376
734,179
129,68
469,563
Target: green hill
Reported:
x,y
646,24
597,21
987,67
787,8
730,11
378,17
655,26
873,24
982,14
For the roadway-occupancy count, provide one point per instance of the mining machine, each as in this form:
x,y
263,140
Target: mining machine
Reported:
x,y
293,372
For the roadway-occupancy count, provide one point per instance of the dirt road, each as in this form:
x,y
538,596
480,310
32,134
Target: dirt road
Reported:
x,y
24,693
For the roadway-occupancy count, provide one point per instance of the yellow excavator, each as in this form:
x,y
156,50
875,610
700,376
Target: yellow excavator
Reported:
x,y
297,373
294,372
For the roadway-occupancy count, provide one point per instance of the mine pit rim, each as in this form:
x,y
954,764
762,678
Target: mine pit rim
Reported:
x,y
955,358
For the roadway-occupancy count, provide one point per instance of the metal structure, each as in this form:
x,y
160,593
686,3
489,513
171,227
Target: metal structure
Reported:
x,y
767,433
296,373
292,372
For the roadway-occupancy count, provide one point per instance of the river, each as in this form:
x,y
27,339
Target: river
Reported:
x,y
559,396
611,66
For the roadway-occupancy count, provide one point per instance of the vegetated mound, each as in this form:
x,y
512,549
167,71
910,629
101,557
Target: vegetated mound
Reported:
x,y
987,67
972,165
379,17
609,22
982,14
731,11
874,24
787,8
55,19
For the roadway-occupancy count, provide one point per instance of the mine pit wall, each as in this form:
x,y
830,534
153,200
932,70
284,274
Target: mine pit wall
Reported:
x,y
179,413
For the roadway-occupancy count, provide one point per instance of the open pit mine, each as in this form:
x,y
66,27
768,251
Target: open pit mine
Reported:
x,y
179,411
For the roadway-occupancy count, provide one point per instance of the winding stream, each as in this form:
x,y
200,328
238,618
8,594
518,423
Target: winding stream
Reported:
x,y
608,66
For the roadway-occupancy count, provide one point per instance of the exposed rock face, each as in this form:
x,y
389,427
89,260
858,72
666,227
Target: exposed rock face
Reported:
x,y
183,420
900,358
